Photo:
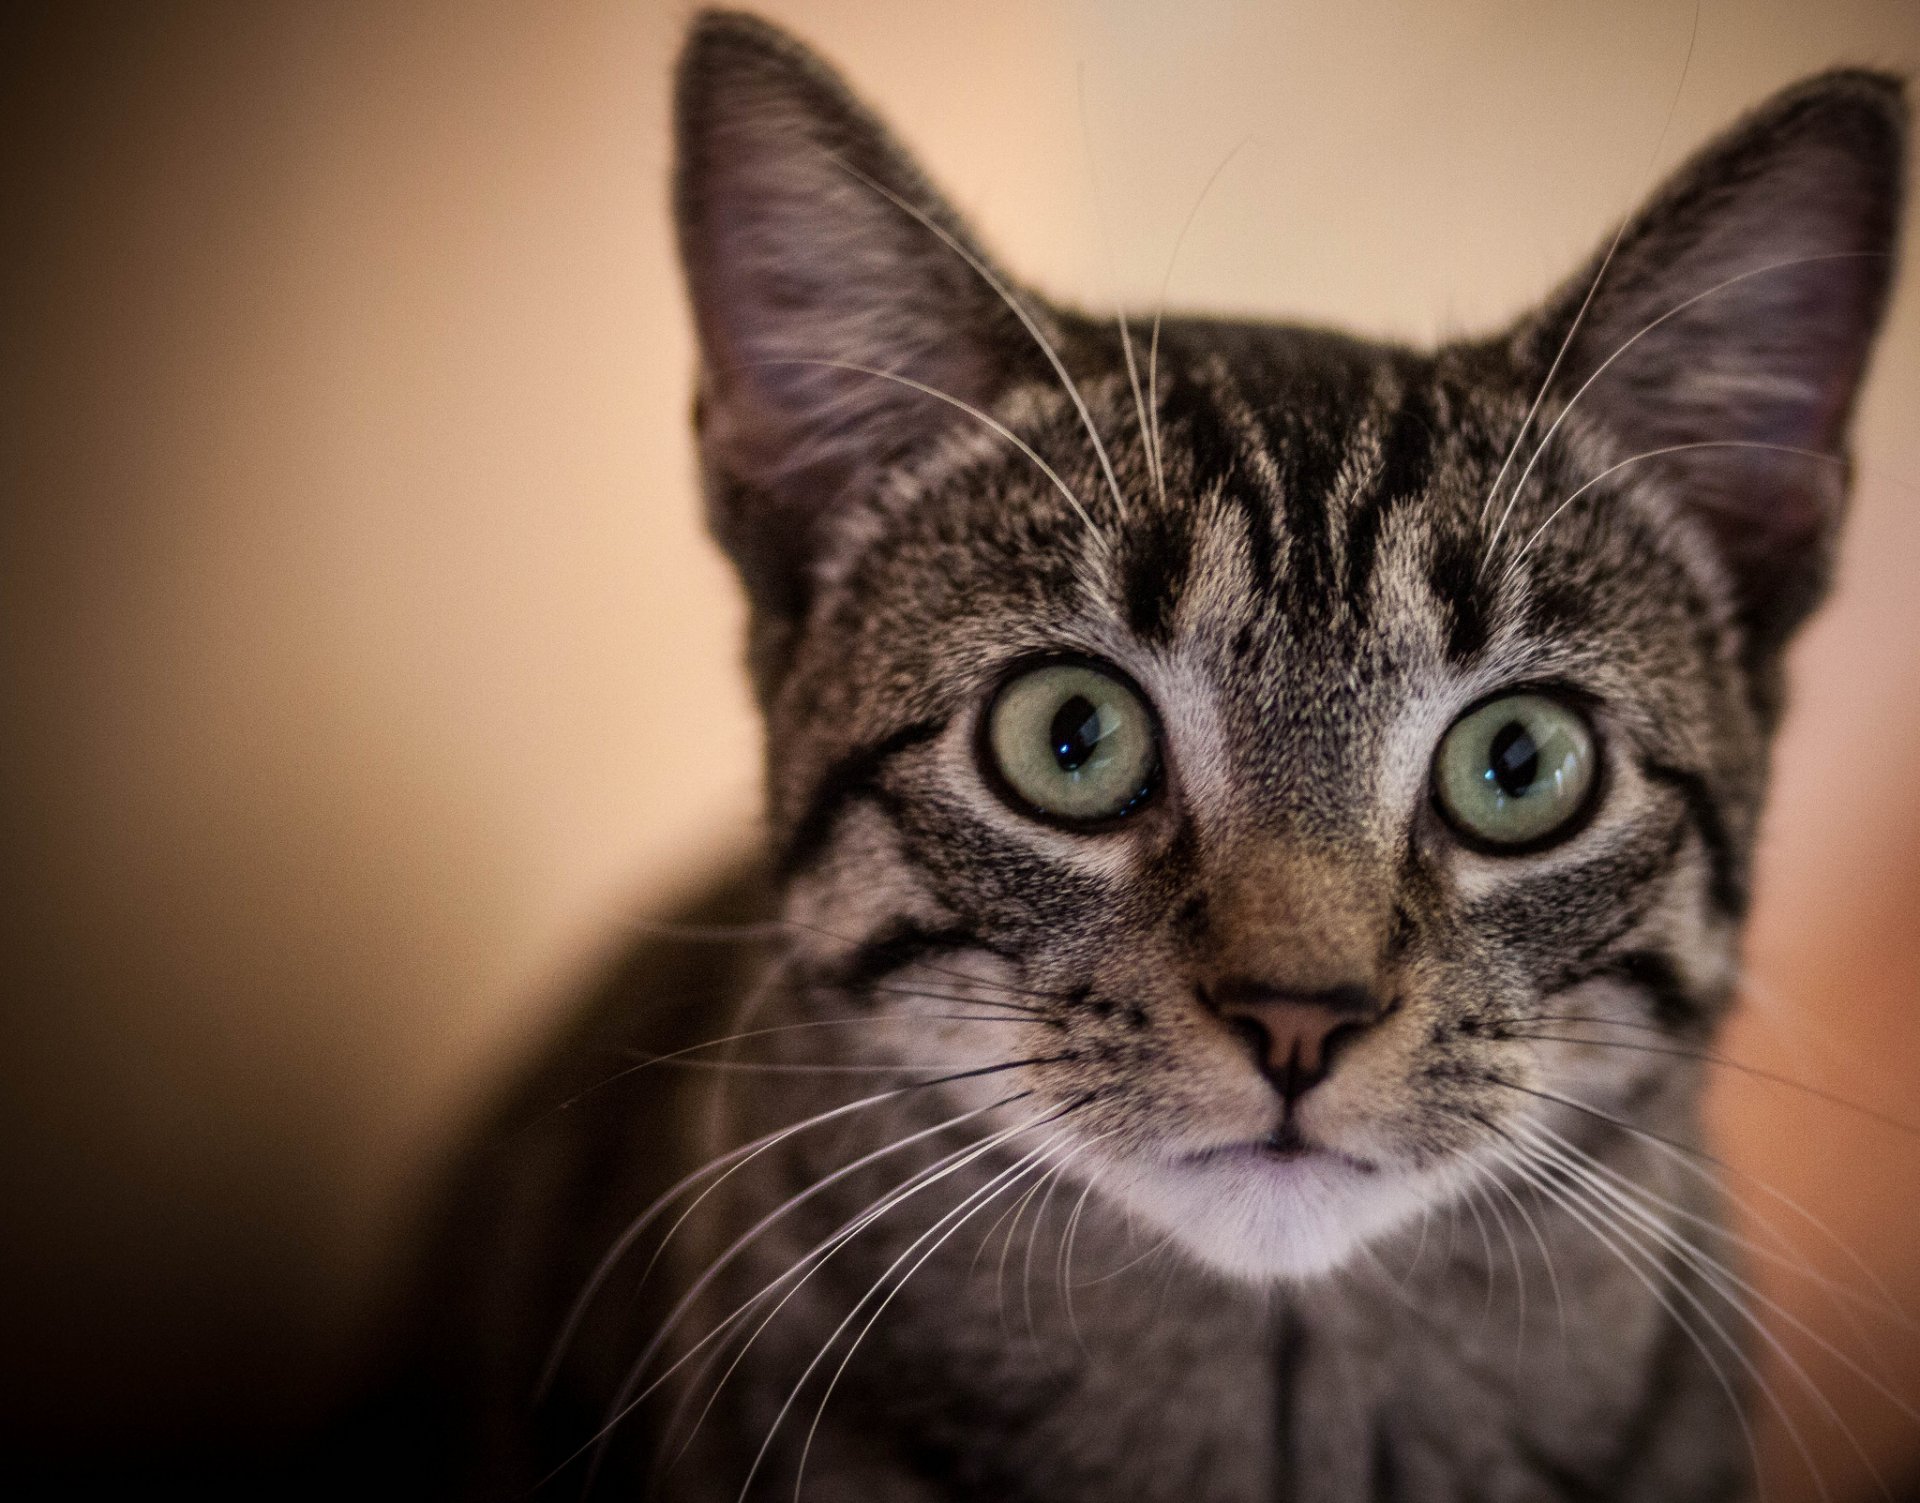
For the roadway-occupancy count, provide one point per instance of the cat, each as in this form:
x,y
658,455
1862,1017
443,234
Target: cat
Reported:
x,y
1260,828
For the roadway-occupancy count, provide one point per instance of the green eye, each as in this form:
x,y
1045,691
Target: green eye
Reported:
x,y
1072,742
1516,771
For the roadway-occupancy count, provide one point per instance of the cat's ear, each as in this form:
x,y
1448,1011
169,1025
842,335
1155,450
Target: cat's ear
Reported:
x,y
1732,325
812,244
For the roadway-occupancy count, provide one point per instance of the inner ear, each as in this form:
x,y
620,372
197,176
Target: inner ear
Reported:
x,y
816,255
1730,328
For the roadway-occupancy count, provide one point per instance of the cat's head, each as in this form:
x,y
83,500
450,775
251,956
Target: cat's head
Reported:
x,y
1333,765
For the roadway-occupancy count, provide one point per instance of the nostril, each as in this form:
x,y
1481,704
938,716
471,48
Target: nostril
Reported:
x,y
1337,1039
1258,1039
1294,1035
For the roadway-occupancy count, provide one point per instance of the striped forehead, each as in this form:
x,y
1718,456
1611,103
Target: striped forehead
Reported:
x,y
1303,594
1329,519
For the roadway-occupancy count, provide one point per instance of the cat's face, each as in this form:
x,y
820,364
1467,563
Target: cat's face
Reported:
x,y
1313,761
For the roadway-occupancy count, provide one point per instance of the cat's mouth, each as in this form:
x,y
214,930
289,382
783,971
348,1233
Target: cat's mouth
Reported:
x,y
1286,1144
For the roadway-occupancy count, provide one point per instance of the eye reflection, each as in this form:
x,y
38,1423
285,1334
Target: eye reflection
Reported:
x,y
1074,742
1516,771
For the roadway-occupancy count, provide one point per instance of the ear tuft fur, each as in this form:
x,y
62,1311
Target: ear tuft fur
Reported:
x,y
1733,323
788,197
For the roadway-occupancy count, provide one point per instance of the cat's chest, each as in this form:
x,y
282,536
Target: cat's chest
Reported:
x,y
1063,1358
1067,1361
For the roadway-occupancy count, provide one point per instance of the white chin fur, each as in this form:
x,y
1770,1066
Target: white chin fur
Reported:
x,y
1269,1220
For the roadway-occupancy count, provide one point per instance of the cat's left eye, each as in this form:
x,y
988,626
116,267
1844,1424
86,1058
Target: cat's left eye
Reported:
x,y
1073,741
1517,772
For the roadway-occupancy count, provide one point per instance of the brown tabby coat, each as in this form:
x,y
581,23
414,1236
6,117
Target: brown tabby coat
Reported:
x,y
1478,1260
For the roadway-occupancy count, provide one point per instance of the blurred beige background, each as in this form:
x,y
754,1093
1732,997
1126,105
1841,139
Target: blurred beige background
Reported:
x,y
365,665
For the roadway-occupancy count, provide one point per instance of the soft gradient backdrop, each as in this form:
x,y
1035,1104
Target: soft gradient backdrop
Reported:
x,y
365,666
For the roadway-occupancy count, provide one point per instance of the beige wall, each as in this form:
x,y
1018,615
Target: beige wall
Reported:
x,y
364,662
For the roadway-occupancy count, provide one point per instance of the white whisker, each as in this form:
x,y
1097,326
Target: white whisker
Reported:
x,y
1019,310
971,411
626,1400
1159,314
1593,288
1721,1279
1113,276
1532,1169
1590,483
958,1216
1628,343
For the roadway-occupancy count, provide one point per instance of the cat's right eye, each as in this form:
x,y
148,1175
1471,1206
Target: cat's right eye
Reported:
x,y
1517,772
1073,741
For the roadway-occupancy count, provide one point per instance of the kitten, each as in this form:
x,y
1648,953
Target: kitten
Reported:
x,y
1261,825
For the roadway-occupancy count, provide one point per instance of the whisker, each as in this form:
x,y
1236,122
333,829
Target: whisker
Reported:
x,y
1724,1282
636,1228
1707,1057
708,934
1519,1277
1067,1246
1405,1280
1619,1187
874,1021
1035,1014
1159,1244
961,1215
1707,1167
1533,1169
1471,1202
1004,987
984,419
1051,1179
1599,276
1006,1249
626,1400
1019,311
1787,1260
840,1329
1159,315
1113,277
811,1262
1628,343
1546,1256
731,1162
779,1067
1581,490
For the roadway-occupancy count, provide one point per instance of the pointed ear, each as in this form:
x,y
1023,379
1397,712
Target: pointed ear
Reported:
x,y
808,236
1737,310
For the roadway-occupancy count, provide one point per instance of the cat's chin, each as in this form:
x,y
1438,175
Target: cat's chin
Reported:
x,y
1267,1212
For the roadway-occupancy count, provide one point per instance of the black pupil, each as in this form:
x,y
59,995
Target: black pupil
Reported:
x,y
1075,733
1513,761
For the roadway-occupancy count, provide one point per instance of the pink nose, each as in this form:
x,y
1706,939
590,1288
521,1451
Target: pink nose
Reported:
x,y
1294,1035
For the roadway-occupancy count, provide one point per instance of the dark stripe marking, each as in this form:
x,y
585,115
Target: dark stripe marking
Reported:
x,y
1311,466
1216,465
1653,975
852,778
1289,1356
1160,551
1656,975
903,944
1453,573
1728,887
1383,1464
1406,469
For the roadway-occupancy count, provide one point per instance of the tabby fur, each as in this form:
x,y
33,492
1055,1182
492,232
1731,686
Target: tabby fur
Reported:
x,y
1311,552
